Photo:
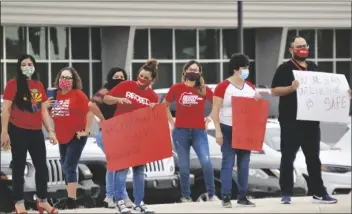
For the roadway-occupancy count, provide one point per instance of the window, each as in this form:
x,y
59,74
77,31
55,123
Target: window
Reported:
x,y
309,35
211,73
343,43
325,67
1,42
325,43
161,43
344,68
209,44
164,79
53,50
141,44
290,35
97,79
186,44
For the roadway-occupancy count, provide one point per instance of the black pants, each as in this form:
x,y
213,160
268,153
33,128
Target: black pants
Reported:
x,y
23,140
304,134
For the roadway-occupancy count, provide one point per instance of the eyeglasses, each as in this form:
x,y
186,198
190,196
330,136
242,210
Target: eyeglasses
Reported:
x,y
193,70
302,46
66,78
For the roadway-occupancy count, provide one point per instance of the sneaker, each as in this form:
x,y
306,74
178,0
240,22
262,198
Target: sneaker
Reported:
x,y
128,202
122,207
245,203
185,200
326,199
213,198
286,200
142,208
226,201
109,202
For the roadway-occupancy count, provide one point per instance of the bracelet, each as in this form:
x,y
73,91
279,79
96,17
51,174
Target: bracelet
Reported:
x,y
52,130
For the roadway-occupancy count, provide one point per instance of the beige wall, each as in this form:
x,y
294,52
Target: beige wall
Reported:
x,y
177,13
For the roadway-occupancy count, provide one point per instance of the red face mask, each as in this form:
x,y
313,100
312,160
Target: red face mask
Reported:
x,y
302,52
143,82
65,84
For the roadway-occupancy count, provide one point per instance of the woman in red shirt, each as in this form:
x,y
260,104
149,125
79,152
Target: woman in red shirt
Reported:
x,y
130,96
22,116
72,120
190,96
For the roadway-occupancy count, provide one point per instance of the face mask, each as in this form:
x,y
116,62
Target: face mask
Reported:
x,y
65,84
192,76
28,71
300,54
244,74
114,82
143,82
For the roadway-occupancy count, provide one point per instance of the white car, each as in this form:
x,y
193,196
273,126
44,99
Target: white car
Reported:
x,y
345,141
336,162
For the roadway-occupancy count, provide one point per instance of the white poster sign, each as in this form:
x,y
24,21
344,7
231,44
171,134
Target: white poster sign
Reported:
x,y
322,97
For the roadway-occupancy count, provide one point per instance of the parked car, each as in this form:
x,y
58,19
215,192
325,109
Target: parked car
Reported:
x,y
56,184
160,176
336,162
264,166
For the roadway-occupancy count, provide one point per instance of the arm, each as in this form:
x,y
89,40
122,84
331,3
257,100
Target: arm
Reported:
x,y
281,84
46,118
169,115
217,103
111,100
282,91
170,96
117,94
95,110
89,118
6,111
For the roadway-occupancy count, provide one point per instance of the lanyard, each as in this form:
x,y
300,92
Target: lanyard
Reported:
x,y
298,66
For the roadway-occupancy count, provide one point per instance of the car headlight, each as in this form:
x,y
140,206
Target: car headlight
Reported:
x,y
255,173
335,169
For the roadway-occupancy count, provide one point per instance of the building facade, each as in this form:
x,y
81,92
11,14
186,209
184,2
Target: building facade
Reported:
x,y
94,36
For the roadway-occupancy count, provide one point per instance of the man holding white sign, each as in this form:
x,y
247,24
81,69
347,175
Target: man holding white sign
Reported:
x,y
298,133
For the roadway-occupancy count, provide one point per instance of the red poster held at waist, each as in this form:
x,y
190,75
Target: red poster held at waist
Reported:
x,y
249,118
137,138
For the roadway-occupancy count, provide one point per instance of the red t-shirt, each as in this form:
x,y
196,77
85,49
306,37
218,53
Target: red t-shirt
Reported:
x,y
26,119
189,105
140,98
69,114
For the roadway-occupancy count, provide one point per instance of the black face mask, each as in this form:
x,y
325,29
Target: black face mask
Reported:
x,y
114,82
192,76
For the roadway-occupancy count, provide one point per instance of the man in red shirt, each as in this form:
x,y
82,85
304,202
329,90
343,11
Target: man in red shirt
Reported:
x,y
190,96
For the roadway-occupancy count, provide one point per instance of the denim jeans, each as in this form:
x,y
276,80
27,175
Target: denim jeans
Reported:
x,y
110,185
138,184
227,164
70,154
183,139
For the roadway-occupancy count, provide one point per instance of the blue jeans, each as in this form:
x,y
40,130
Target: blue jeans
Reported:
x,y
227,164
70,154
110,185
138,184
183,139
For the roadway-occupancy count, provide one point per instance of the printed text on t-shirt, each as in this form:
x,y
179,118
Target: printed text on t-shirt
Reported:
x,y
137,98
189,99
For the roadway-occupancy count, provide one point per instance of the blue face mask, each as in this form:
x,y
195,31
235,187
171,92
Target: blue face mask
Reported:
x,y
244,73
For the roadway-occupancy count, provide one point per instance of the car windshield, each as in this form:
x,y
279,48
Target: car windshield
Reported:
x,y
272,139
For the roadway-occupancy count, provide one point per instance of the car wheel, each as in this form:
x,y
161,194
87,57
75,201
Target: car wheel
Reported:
x,y
199,192
99,201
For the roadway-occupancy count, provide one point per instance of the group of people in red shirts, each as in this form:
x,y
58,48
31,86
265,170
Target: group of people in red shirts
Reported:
x,y
26,107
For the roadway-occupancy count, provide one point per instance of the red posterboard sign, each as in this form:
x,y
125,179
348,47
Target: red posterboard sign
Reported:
x,y
137,138
249,118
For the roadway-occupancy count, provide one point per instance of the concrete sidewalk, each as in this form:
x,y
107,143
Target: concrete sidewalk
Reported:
x,y
270,205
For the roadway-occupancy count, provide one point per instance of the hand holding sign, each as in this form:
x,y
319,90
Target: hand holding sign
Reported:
x,y
137,138
249,119
322,97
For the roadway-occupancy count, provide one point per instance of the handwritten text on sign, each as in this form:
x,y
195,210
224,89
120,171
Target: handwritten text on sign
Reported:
x,y
137,138
322,97
249,118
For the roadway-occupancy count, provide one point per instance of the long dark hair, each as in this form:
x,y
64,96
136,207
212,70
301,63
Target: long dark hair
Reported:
x,y
109,84
22,84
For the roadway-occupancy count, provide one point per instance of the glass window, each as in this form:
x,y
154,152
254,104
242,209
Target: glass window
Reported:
x,y
164,76
38,42
1,42
249,43
2,78
97,77
141,44
309,36
290,35
251,77
80,43
43,70
186,44
325,43
161,43
10,71
15,42
209,44
225,70
83,71
55,69
59,41
325,67
343,68
343,43
211,73
135,70
96,43
179,71
229,38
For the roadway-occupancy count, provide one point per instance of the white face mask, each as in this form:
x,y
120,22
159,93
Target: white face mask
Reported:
x,y
244,73
28,71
